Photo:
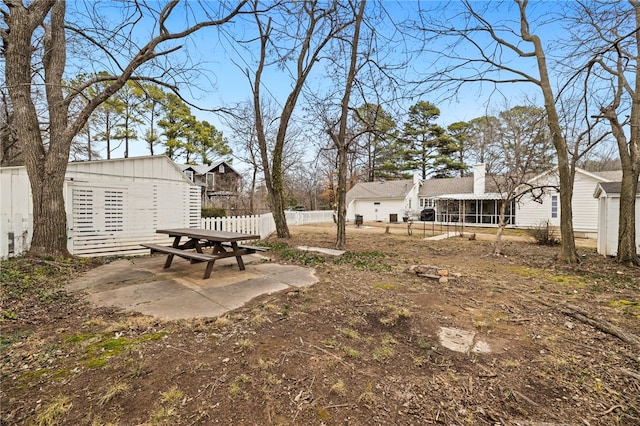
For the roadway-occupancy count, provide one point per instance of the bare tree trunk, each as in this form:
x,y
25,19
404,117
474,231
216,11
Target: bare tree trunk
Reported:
x,y
627,250
341,198
317,14
568,253
46,169
340,139
277,201
630,158
497,248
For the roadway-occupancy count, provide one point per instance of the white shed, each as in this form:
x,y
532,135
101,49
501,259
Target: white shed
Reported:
x,y
112,205
607,195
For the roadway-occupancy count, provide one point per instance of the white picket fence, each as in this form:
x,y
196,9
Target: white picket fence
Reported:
x,y
16,232
262,225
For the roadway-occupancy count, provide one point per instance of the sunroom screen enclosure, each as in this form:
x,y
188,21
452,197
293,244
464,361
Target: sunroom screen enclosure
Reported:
x,y
472,211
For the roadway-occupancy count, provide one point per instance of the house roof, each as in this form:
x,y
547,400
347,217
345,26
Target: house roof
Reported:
x,y
471,196
380,189
610,175
435,187
606,176
201,169
459,188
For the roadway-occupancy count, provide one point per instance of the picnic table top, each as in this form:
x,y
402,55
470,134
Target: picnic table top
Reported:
x,y
208,234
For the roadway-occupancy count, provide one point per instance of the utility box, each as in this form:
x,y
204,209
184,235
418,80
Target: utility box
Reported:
x,y
359,220
393,217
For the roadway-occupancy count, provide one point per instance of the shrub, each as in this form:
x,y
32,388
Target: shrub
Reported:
x,y
213,212
544,234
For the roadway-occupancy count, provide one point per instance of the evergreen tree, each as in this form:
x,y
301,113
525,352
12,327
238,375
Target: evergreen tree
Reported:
x,y
175,125
209,142
427,146
377,135
187,137
459,132
152,98
131,104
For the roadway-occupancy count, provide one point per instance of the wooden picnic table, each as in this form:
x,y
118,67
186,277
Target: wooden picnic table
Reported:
x,y
223,244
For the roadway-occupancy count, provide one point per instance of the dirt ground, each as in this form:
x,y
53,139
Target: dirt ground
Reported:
x,y
366,345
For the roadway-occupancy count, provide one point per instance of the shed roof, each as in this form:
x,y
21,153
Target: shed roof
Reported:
x,y
609,188
159,167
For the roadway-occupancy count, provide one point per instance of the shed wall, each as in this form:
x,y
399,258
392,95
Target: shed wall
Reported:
x,y
609,211
112,205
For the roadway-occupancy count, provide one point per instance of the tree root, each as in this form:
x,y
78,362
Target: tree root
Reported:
x,y
602,325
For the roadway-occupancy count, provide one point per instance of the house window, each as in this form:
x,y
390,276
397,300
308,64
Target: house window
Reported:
x,y
210,180
426,202
409,203
221,168
189,174
554,206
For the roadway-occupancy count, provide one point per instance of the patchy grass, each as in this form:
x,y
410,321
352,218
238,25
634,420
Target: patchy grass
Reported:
x,y
284,360
54,412
113,391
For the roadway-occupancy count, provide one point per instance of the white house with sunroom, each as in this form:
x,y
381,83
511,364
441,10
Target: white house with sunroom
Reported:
x,y
474,200
446,200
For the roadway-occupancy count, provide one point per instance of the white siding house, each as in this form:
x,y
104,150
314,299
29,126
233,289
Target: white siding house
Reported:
x,y
474,200
112,205
451,199
532,213
382,201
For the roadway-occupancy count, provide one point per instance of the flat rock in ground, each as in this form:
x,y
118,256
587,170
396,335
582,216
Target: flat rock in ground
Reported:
x,y
331,252
460,340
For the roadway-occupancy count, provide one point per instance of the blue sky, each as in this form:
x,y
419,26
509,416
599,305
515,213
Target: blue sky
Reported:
x,y
222,84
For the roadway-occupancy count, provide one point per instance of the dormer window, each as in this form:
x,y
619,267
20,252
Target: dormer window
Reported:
x,y
189,174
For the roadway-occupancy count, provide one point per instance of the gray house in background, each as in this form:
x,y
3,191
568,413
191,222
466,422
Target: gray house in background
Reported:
x,y
219,184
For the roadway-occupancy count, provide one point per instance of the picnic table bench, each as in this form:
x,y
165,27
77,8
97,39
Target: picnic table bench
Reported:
x,y
224,244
